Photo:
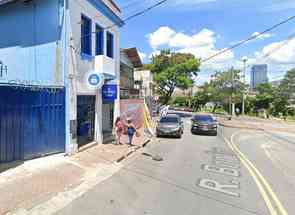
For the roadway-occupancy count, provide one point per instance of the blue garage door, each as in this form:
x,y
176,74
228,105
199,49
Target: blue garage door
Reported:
x,y
32,123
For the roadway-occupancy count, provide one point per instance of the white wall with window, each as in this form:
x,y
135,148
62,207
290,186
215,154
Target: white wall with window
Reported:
x,y
91,37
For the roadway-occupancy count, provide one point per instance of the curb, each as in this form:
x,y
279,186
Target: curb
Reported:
x,y
241,127
133,150
256,128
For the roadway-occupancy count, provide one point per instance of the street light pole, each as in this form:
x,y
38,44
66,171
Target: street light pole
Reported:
x,y
232,93
244,59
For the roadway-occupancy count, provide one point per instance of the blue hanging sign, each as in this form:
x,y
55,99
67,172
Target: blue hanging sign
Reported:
x,y
109,92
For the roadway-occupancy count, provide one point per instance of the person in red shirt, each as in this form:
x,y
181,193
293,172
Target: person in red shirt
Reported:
x,y
119,129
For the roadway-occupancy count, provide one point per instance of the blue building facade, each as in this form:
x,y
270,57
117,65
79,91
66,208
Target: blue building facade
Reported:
x,y
33,43
40,73
258,75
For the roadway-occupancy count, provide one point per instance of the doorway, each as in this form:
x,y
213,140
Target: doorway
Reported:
x,y
85,119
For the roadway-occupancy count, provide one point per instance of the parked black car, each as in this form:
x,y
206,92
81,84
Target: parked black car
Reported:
x,y
204,124
170,125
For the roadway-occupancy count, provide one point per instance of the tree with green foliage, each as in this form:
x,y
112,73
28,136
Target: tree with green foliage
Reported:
x,y
250,104
285,96
228,84
201,98
287,86
226,87
173,70
181,101
265,96
223,87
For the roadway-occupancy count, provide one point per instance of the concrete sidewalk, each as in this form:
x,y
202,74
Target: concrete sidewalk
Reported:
x,y
255,123
44,185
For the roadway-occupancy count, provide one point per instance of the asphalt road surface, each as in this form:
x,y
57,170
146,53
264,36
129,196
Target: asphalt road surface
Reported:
x,y
239,172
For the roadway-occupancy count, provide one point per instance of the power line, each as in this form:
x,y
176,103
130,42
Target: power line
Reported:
x,y
142,12
248,39
276,48
279,46
132,3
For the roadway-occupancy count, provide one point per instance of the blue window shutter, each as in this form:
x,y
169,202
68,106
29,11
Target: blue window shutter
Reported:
x,y
86,35
110,45
99,40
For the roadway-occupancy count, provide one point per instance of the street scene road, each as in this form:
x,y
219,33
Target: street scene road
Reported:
x,y
155,107
237,172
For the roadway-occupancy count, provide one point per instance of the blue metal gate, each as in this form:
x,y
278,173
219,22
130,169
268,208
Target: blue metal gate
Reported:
x,y
32,123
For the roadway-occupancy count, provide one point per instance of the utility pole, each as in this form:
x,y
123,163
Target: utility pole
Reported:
x,y
232,94
244,59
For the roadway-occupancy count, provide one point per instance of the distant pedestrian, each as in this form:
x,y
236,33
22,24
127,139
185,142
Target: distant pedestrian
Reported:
x,y
119,129
131,130
237,111
164,111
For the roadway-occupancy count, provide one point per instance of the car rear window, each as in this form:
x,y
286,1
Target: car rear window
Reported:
x,y
169,120
205,118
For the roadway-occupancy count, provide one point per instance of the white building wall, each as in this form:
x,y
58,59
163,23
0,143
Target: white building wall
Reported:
x,y
146,77
78,67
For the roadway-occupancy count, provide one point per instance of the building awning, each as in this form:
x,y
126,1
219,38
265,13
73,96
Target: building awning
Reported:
x,y
115,5
133,56
109,77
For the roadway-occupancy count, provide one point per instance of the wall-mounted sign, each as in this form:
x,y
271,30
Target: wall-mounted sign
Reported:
x,y
3,69
110,92
94,80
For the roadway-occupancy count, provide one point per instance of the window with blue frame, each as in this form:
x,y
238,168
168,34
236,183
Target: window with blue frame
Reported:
x,y
99,40
86,35
110,45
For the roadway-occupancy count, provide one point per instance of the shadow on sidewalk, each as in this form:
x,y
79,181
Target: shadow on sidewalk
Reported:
x,y
6,166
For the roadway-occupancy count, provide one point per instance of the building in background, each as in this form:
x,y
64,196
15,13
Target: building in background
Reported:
x,y
276,83
258,75
188,92
129,61
61,72
144,82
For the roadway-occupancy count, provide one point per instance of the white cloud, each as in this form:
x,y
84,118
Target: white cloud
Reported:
x,y
262,36
282,52
142,55
259,37
200,44
168,36
160,37
203,38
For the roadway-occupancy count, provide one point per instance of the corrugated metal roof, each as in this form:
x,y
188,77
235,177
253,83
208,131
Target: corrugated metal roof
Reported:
x,y
133,56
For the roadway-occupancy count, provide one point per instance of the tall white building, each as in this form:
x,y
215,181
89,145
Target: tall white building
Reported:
x,y
258,75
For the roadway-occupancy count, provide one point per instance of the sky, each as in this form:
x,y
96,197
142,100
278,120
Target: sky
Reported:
x,y
204,27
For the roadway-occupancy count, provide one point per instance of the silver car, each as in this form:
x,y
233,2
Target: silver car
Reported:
x,y
170,125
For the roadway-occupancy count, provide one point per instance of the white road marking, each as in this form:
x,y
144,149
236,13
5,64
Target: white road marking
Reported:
x,y
222,170
227,158
221,188
224,163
